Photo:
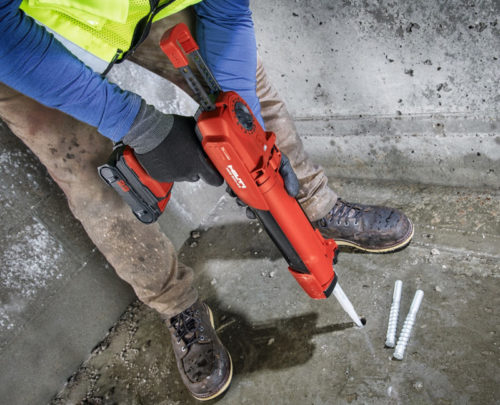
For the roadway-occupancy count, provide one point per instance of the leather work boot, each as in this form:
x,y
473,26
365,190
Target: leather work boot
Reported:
x,y
204,363
367,227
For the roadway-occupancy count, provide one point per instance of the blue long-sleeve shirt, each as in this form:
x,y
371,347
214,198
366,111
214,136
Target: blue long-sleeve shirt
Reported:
x,y
36,64
226,36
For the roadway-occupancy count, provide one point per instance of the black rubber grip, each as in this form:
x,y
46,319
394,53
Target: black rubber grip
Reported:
x,y
281,241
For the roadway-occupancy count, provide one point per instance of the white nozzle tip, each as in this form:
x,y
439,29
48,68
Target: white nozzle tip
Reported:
x,y
346,304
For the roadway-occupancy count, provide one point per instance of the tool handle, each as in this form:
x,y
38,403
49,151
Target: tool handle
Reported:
x,y
176,43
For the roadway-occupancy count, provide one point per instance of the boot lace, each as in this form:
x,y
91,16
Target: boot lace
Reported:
x,y
186,325
342,210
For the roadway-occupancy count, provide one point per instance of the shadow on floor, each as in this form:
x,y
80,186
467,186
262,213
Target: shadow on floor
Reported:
x,y
276,344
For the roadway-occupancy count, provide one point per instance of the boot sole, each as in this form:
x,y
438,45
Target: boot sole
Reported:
x,y
228,382
400,245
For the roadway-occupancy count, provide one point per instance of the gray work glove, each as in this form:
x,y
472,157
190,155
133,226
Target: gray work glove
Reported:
x,y
289,176
168,148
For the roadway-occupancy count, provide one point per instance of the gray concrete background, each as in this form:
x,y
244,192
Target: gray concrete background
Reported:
x,y
393,90
381,57
399,102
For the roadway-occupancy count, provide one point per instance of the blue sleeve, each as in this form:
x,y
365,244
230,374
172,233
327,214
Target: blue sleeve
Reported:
x,y
226,36
39,66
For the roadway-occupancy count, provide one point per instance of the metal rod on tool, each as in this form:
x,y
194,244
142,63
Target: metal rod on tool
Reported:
x,y
206,72
201,95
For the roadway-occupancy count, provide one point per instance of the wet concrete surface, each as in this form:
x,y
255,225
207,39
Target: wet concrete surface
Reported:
x,y
289,349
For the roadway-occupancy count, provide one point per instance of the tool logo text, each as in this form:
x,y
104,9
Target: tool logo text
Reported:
x,y
235,176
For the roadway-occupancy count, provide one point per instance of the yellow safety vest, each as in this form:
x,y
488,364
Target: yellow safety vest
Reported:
x,y
106,28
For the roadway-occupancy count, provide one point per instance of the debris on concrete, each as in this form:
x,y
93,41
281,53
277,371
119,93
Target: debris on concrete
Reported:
x,y
412,26
418,385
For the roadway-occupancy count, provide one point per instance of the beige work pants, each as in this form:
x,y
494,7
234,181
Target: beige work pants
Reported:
x,y
141,254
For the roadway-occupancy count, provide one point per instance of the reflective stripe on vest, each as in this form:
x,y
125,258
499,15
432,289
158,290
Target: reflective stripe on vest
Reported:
x,y
104,28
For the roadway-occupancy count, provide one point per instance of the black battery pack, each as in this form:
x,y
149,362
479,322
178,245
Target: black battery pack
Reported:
x,y
146,197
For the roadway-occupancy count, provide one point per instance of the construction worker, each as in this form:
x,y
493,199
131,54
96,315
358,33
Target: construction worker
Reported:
x,y
52,55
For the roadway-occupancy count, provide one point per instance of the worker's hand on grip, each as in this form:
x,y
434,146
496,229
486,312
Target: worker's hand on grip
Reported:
x,y
289,176
168,148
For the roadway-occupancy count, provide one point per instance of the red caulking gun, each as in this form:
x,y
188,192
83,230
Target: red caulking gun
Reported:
x,y
247,158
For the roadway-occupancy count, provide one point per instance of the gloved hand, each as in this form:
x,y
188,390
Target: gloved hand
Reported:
x,y
168,148
289,176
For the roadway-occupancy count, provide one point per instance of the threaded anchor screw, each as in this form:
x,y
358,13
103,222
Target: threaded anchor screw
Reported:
x,y
390,340
404,336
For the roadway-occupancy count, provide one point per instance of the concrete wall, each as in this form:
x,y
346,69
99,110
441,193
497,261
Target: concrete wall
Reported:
x,y
393,90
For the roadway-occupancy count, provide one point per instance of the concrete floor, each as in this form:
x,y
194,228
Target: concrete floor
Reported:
x,y
399,102
55,286
289,349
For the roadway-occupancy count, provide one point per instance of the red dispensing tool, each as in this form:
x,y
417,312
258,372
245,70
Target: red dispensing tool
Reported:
x,y
248,159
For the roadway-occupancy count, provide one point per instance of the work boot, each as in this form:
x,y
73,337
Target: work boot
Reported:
x,y
204,363
367,227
